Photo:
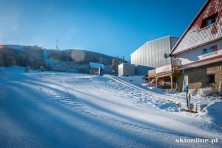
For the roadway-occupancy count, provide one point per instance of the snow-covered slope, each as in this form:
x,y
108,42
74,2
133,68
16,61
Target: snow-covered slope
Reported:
x,y
48,109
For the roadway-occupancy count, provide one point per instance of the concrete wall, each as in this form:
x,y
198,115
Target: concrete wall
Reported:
x,y
198,77
151,54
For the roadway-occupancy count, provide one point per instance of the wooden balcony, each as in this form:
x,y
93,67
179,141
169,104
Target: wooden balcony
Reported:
x,y
165,74
166,70
163,70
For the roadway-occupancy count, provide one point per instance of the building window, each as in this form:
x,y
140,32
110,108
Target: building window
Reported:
x,y
209,50
211,78
214,48
209,20
204,51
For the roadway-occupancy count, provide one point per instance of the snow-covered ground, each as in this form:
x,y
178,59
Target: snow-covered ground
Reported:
x,y
51,109
140,82
176,95
195,99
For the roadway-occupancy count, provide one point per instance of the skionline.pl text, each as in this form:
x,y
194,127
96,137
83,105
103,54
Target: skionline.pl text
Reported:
x,y
197,140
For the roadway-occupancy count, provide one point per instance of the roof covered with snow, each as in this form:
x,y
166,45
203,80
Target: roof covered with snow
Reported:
x,y
196,35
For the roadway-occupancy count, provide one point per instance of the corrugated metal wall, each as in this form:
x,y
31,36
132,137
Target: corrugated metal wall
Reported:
x,y
151,54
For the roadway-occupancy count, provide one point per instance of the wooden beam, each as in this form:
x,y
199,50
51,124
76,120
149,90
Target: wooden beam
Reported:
x,y
171,77
156,82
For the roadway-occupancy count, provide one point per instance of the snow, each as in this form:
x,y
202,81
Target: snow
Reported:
x,y
213,113
53,109
195,99
156,90
136,80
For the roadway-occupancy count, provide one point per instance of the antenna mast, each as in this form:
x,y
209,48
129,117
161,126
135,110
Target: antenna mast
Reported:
x,y
57,45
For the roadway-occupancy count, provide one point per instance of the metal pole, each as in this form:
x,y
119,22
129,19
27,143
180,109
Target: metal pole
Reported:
x,y
186,88
187,95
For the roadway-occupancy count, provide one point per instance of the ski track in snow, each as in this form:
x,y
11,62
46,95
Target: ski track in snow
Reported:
x,y
75,110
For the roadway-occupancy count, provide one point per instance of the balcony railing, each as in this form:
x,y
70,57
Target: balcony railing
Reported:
x,y
152,73
166,68
163,70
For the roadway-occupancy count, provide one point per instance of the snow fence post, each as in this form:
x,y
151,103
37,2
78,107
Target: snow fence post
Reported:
x,y
100,71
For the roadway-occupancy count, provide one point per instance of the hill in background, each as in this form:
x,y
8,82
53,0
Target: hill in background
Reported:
x,y
71,60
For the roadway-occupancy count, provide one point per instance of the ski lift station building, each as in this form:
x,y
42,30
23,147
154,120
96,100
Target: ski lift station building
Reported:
x,y
154,55
151,54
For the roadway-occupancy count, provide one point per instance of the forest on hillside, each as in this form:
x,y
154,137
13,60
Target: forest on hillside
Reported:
x,y
35,57
28,56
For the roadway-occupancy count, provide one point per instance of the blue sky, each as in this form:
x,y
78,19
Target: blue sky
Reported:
x,y
112,27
